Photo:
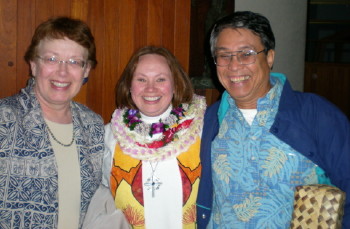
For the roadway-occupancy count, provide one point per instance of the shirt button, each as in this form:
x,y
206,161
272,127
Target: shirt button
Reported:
x,y
254,137
204,216
253,158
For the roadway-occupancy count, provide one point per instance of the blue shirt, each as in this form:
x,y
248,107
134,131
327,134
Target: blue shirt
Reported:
x,y
254,173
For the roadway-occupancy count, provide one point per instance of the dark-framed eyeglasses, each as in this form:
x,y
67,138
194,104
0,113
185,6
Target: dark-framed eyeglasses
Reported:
x,y
244,57
54,61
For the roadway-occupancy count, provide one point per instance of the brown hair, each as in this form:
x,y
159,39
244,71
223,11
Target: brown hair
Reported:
x,y
59,28
183,90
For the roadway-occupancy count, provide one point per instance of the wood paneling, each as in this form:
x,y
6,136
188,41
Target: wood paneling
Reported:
x,y
119,26
331,81
24,31
8,38
211,95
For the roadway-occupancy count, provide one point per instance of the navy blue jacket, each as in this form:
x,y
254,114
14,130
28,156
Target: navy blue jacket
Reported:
x,y
309,124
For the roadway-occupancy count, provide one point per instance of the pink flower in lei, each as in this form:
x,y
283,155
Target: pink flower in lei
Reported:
x,y
158,127
132,118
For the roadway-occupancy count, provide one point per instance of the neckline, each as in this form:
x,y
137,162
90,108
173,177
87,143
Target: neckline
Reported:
x,y
48,123
154,119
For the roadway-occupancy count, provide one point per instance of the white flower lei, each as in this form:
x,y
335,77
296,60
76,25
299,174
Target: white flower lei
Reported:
x,y
130,141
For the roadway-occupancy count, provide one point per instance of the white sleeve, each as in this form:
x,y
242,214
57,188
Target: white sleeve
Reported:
x,y
110,143
102,213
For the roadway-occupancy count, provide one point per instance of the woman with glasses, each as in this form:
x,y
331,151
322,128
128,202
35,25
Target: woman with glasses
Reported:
x,y
51,147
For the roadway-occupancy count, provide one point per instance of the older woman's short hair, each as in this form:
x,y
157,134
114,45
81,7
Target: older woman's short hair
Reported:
x,y
60,28
183,90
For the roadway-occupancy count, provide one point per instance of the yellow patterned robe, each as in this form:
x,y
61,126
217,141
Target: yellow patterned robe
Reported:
x,y
127,185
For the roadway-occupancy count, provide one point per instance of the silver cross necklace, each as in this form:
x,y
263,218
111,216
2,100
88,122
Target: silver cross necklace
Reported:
x,y
153,183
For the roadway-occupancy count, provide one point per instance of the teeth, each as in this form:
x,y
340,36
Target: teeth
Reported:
x,y
239,79
58,84
151,98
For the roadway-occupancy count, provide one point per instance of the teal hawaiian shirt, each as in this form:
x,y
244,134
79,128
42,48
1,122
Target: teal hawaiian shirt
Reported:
x,y
254,173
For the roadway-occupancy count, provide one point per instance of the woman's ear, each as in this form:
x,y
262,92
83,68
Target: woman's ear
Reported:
x,y
85,80
33,68
86,73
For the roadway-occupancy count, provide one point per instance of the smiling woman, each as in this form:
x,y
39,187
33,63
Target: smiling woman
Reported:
x,y
55,146
152,86
153,142
57,82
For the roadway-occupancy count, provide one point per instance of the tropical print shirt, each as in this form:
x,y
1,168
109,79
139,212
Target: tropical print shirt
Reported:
x,y
254,173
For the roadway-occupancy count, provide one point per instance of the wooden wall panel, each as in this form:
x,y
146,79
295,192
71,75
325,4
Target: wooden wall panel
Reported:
x,y
8,47
154,22
168,19
331,81
25,29
43,10
80,9
120,27
96,82
182,31
63,7
141,9
126,35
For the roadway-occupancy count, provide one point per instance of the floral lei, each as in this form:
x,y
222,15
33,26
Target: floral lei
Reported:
x,y
158,141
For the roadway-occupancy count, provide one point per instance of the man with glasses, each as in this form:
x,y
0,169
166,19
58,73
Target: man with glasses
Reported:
x,y
262,139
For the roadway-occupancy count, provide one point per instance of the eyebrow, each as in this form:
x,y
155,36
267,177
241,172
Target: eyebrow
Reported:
x,y
140,74
228,50
55,54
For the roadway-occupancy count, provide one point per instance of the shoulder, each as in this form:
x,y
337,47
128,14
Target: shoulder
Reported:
x,y
14,101
308,105
197,107
315,106
12,108
309,118
86,114
9,103
109,137
212,110
211,121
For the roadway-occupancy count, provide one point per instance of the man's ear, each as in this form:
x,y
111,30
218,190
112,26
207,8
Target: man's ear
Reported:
x,y
270,57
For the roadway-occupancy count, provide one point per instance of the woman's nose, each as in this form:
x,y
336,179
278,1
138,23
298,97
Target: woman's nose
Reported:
x,y
62,67
150,85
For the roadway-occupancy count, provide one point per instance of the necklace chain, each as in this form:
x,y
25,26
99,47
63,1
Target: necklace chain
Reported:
x,y
56,140
155,167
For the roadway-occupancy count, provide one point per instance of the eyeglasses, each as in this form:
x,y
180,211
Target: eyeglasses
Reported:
x,y
53,61
244,57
